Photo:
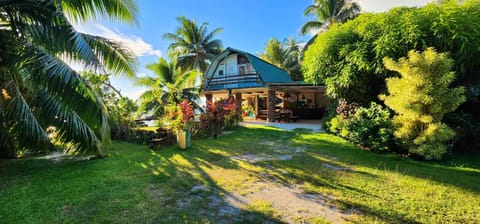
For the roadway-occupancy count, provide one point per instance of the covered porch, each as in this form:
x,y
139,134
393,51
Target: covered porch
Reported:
x,y
314,125
285,103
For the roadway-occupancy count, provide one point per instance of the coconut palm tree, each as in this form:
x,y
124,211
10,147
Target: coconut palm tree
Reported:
x,y
194,46
284,55
38,89
329,12
170,84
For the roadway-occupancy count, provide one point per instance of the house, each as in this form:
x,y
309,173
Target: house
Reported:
x,y
261,86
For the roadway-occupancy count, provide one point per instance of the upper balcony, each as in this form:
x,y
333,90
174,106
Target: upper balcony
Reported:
x,y
233,81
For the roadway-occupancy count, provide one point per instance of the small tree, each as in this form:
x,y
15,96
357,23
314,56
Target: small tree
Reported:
x,y
421,97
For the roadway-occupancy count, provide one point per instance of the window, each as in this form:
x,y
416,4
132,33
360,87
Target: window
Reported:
x,y
242,69
242,59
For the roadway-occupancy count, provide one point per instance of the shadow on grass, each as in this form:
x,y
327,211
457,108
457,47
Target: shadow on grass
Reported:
x,y
193,195
455,170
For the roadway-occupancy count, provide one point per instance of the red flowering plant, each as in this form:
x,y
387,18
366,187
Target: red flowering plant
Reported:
x,y
218,116
178,116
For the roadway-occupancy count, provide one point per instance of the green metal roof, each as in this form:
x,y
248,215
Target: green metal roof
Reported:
x,y
268,73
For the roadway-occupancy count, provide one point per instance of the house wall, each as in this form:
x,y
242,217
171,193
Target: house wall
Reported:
x,y
229,66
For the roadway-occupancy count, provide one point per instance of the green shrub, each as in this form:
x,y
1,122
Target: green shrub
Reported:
x,y
371,127
421,97
348,57
338,125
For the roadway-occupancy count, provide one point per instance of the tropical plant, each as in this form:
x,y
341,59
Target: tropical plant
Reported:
x,y
178,116
39,89
329,12
170,85
371,127
120,109
284,55
421,97
194,46
348,57
219,116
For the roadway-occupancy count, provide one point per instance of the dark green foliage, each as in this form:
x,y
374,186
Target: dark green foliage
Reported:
x,y
39,89
467,130
370,127
348,57
121,110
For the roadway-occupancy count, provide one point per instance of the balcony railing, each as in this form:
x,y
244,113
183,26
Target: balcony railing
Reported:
x,y
234,81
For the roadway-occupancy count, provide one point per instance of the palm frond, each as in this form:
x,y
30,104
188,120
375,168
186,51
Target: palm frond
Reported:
x,y
70,125
309,26
44,71
23,124
118,10
112,55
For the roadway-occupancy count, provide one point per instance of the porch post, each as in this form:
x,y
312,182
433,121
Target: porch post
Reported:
x,y
256,105
209,96
271,105
238,103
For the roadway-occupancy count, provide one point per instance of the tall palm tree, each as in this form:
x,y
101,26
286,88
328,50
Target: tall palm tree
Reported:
x,y
38,89
284,55
329,12
194,46
171,84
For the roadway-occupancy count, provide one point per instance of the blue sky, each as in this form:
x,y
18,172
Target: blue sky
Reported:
x,y
247,25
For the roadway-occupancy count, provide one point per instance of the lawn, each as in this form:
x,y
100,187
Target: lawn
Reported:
x,y
137,185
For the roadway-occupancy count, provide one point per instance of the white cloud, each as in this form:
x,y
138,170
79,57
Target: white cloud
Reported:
x,y
135,94
136,44
384,5
141,75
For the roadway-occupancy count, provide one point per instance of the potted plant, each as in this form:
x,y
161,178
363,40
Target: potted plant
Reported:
x,y
179,117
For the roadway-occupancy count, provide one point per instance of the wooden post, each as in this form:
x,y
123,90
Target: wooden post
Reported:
x,y
238,103
209,97
271,105
256,105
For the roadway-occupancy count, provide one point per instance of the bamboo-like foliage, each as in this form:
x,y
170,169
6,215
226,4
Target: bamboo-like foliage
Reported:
x,y
170,84
194,46
348,58
40,90
421,97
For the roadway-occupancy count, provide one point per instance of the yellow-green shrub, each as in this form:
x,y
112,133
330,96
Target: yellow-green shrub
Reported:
x,y
421,96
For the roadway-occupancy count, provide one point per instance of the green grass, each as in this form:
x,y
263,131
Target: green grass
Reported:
x,y
137,185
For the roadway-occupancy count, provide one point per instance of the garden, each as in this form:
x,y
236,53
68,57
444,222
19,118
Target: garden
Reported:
x,y
136,184
399,141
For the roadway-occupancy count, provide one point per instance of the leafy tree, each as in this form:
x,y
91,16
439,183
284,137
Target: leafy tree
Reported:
x,y
421,96
170,85
284,55
120,109
194,46
348,57
40,90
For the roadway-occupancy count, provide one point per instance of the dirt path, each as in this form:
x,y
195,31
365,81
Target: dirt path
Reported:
x,y
290,201
292,204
